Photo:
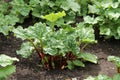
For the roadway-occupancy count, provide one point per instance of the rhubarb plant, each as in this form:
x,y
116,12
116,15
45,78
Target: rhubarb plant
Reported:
x,y
6,66
106,16
48,6
56,48
15,12
7,21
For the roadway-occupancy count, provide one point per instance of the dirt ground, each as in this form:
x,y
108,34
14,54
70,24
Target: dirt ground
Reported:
x,y
29,69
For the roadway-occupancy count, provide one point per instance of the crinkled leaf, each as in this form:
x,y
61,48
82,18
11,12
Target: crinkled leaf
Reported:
x,y
102,77
26,50
92,20
6,71
6,60
11,19
20,7
7,23
36,11
54,16
70,4
3,7
106,4
88,57
105,31
51,51
38,31
115,5
19,32
93,9
86,34
47,2
54,43
34,3
113,15
5,29
33,32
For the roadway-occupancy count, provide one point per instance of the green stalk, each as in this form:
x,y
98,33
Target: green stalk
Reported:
x,y
52,62
35,48
84,46
41,44
52,25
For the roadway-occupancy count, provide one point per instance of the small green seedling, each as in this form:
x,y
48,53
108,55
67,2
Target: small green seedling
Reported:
x,y
116,60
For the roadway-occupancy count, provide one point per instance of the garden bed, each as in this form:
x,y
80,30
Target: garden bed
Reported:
x,y
57,33
29,69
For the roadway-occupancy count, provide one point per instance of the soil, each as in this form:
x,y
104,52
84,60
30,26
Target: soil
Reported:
x,y
29,69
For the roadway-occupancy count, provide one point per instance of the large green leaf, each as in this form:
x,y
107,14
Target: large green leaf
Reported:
x,y
108,4
38,31
5,29
6,60
47,2
86,34
3,7
105,30
70,4
92,20
72,64
113,15
19,32
78,63
34,3
54,43
7,23
36,11
11,19
88,57
20,7
6,71
26,50
93,9
54,16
